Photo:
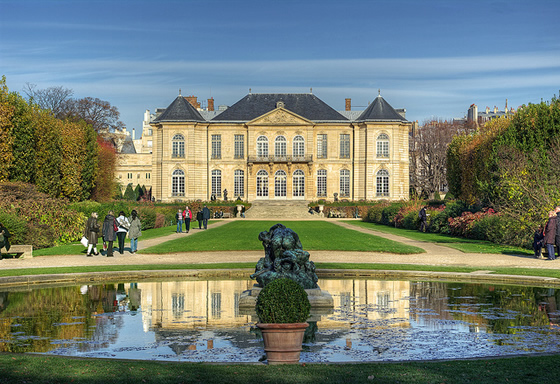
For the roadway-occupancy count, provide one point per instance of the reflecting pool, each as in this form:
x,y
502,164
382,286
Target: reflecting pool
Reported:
x,y
199,321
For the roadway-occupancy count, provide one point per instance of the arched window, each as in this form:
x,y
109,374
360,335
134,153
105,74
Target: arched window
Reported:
x,y
383,146
262,183
217,182
344,183
178,183
280,184
322,183
298,147
280,146
238,183
382,183
262,146
298,183
178,146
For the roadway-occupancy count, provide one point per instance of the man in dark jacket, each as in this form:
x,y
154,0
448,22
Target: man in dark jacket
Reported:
x,y
205,216
109,232
199,219
550,235
423,218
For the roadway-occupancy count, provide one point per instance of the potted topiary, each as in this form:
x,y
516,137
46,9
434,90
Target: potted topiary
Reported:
x,y
283,309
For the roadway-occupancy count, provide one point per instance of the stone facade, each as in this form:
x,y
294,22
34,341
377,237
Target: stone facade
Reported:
x,y
273,147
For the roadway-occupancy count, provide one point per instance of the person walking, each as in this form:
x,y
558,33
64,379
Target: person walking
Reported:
x,y
109,232
550,235
423,219
123,226
199,219
91,233
179,218
4,239
205,216
135,231
187,217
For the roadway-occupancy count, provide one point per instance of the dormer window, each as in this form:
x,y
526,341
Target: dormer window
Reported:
x,y
280,104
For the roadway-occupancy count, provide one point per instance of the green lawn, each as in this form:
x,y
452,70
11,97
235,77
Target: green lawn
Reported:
x,y
314,235
459,243
18,368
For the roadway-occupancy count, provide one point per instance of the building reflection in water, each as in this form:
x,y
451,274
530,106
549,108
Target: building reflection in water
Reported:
x,y
199,320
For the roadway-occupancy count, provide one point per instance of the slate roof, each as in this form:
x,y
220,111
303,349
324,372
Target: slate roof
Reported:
x,y
380,110
305,105
128,146
180,110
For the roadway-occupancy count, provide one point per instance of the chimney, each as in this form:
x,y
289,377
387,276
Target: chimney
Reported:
x,y
193,101
348,104
211,104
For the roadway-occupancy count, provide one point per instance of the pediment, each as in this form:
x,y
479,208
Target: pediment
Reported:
x,y
280,116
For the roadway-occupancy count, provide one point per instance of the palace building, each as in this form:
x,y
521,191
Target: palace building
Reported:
x,y
270,147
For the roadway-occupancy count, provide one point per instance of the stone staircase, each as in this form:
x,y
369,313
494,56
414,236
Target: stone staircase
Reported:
x,y
279,209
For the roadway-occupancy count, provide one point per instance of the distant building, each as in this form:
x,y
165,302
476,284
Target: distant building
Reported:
x,y
271,147
480,118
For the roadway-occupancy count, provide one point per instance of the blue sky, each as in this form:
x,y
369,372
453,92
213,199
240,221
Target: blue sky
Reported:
x,y
432,57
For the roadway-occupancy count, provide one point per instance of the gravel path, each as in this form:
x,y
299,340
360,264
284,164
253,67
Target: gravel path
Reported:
x,y
434,255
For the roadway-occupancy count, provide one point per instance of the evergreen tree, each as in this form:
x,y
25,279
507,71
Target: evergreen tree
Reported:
x,y
129,193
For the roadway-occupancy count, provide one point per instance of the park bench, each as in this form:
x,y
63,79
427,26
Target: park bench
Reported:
x,y
19,251
227,215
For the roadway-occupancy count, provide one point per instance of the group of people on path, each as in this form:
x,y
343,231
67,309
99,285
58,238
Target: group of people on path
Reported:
x,y
186,216
113,228
549,236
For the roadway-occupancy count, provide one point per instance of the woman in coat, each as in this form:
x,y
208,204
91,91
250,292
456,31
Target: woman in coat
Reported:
x,y
91,232
124,225
109,233
135,231
187,217
550,234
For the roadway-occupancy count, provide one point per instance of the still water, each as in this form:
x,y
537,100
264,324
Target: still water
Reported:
x,y
199,321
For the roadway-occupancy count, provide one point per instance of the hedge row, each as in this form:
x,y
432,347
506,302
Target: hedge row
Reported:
x,y
454,218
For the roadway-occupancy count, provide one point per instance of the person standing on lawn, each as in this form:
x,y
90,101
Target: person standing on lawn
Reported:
x,y
550,234
179,218
205,216
91,233
109,232
135,231
123,226
199,219
187,217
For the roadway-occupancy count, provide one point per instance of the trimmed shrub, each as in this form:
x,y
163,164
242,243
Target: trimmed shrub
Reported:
x,y
283,301
16,225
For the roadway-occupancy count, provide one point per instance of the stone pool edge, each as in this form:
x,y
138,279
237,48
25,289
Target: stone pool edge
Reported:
x,y
95,277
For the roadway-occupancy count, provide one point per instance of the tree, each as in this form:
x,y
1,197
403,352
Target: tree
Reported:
x,y
6,138
428,154
105,183
54,99
103,117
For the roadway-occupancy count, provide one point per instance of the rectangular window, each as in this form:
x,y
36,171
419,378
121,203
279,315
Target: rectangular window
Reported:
x,y
238,183
344,146
217,183
322,146
344,183
129,176
216,304
322,183
239,143
216,146
148,175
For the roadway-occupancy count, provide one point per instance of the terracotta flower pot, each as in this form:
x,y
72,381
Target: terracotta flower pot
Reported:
x,y
282,342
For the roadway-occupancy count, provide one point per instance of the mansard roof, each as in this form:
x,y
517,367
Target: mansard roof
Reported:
x,y
305,105
128,146
380,110
180,110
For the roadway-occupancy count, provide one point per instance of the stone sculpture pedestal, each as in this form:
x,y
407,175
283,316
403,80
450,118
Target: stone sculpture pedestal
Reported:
x,y
321,301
